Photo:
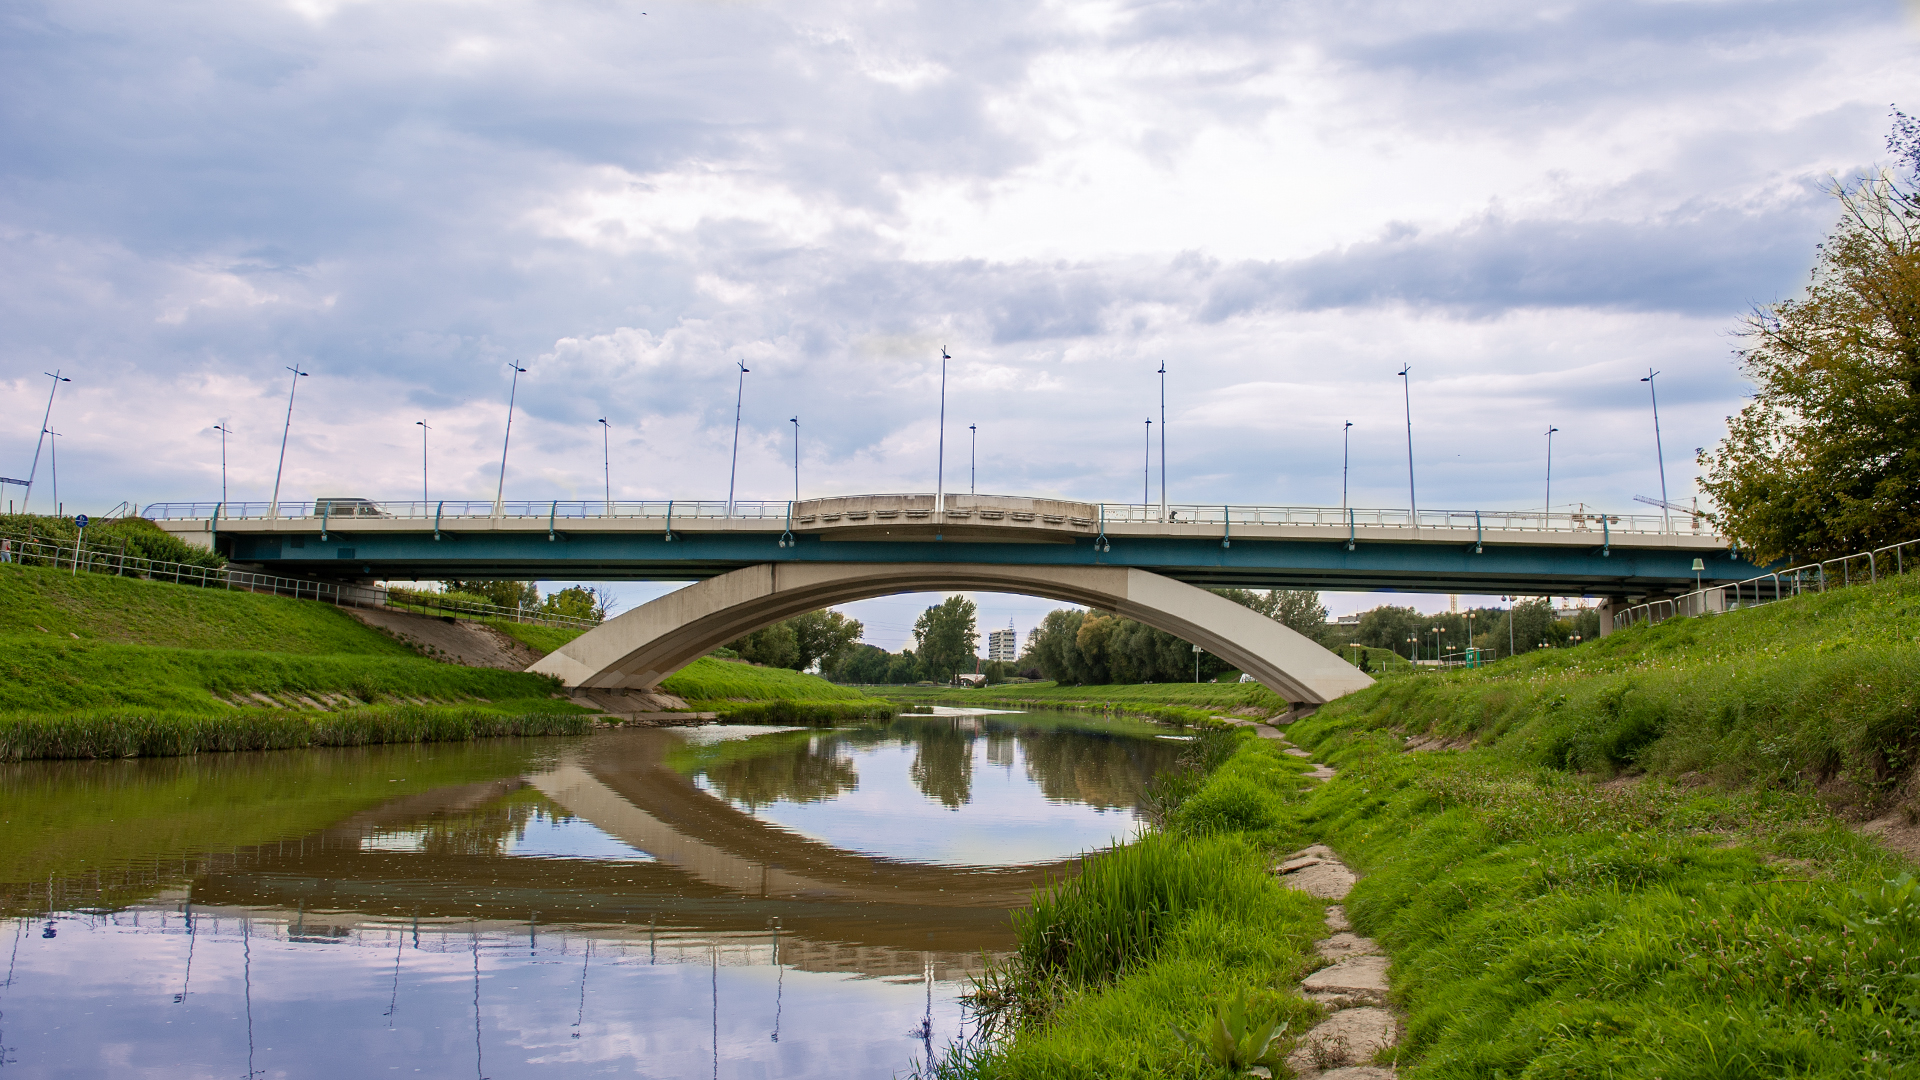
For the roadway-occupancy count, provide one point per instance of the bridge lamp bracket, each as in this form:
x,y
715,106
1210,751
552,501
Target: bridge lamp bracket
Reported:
x,y
669,521
1226,515
436,519
787,538
326,511
1100,542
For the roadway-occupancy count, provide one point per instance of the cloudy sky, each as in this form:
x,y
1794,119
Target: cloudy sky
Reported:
x,y
1282,202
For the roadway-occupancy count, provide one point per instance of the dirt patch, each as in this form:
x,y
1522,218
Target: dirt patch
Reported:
x,y
1895,832
452,641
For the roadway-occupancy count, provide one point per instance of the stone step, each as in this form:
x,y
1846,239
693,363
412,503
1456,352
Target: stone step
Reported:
x,y
1342,945
1326,880
1348,1038
1353,982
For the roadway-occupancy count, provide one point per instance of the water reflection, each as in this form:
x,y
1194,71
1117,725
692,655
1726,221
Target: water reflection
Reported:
x,y
637,902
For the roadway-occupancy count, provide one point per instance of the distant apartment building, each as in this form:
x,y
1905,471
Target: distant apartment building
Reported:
x,y
1003,645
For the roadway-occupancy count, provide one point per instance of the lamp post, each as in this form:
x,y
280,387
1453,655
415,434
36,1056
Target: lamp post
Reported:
x,y
424,497
940,469
1413,647
273,508
1146,467
973,460
1509,602
224,431
513,392
1436,643
1413,502
1659,453
1549,510
53,453
1196,663
1346,455
606,461
733,470
38,442
1163,440
795,421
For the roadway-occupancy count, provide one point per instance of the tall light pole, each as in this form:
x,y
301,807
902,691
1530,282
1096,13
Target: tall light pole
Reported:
x,y
224,431
1146,468
513,391
1406,385
1549,510
973,460
1163,440
606,460
273,508
41,440
1658,451
424,497
1346,455
739,397
796,458
940,470
53,452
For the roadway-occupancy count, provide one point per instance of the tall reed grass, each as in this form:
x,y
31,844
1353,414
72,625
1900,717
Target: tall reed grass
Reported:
x,y
25,737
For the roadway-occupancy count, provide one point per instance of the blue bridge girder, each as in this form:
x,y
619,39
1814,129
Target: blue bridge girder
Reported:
x,y
1246,547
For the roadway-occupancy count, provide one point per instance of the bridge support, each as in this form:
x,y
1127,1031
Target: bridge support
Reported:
x,y
643,646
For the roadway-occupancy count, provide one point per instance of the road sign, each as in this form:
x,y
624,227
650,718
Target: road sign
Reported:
x,y
80,520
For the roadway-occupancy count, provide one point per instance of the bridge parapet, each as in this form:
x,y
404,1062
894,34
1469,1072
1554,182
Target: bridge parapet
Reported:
x,y
915,517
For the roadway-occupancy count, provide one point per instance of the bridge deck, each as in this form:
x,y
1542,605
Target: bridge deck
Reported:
x,y
1246,546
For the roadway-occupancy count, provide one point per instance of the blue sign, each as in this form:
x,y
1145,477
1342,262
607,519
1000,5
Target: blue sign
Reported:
x,y
80,520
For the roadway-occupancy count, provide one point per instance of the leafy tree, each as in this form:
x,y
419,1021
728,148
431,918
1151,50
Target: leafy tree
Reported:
x,y
577,602
1826,459
946,638
507,594
823,636
773,646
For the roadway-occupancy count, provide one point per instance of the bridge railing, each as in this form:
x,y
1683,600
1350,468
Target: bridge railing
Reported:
x,y
1837,573
1466,523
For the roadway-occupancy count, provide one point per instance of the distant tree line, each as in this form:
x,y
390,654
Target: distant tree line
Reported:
x,y
574,602
1526,626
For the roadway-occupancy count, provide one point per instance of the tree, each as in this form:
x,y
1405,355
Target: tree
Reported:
x,y
578,602
1826,459
772,646
946,638
1299,609
823,636
507,594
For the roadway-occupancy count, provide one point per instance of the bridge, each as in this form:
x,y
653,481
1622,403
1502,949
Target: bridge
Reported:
x,y
759,562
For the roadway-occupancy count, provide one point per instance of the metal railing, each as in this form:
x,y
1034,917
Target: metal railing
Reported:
x,y
1839,572
78,557
1600,527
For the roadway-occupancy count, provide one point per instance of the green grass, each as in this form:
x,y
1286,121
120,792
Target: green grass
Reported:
x,y
1819,690
541,639
173,734
711,680
38,602
1217,696
1544,921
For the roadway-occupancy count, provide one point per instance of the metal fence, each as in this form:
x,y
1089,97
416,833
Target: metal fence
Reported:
x,y
1836,573
1601,527
78,556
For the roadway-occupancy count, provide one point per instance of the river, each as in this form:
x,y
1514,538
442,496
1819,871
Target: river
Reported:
x,y
719,901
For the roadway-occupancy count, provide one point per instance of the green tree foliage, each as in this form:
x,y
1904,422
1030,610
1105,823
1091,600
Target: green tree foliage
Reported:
x,y
1534,624
507,594
946,638
1826,459
136,538
578,602
1299,609
774,646
822,637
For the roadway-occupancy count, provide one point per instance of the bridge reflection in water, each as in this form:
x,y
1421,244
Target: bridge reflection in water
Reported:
x,y
551,891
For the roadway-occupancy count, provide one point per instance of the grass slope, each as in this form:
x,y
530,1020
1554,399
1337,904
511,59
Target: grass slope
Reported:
x,y
1544,921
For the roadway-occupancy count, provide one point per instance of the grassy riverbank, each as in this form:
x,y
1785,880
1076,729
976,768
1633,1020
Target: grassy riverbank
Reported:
x,y
1175,703
1637,865
749,694
98,666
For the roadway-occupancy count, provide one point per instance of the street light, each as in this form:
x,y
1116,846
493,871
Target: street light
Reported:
x,y
1196,663
973,461
273,508
940,470
733,470
1413,647
224,431
1346,455
424,497
1146,467
1658,452
606,460
53,453
1437,655
1163,440
1699,567
795,421
500,493
1549,510
44,419
1413,503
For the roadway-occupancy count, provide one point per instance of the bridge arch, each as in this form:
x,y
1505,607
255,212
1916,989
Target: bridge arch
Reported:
x,y
640,647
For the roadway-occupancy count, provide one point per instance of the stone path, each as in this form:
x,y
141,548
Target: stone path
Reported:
x,y
1353,985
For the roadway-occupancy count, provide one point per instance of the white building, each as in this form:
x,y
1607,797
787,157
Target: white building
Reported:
x,y
1003,645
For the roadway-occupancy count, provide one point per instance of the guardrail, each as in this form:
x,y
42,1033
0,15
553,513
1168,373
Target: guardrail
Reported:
x,y
1862,568
1601,527
78,557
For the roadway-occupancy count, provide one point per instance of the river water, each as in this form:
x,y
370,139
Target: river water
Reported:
x,y
719,901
